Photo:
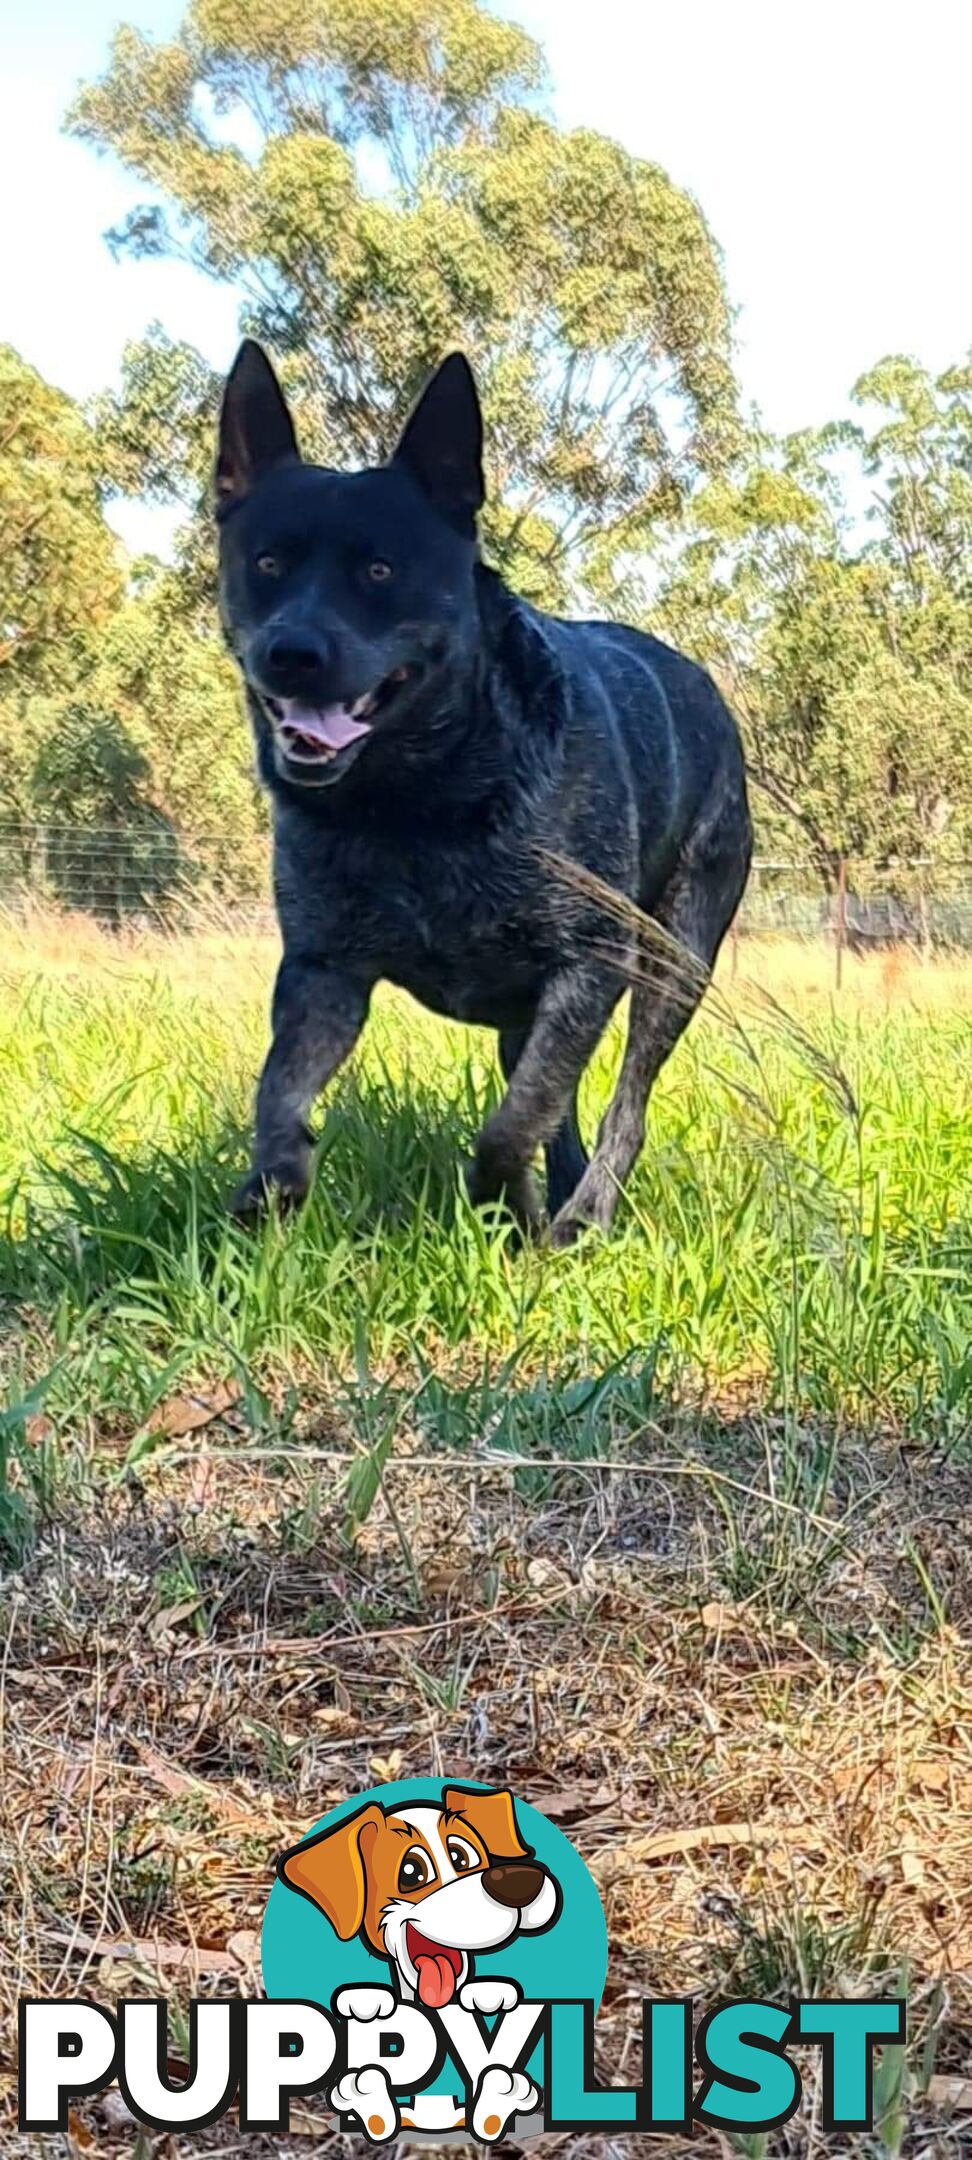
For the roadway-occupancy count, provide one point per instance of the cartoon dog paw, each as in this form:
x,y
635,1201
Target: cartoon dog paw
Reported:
x,y
501,2095
490,1996
364,2004
367,2094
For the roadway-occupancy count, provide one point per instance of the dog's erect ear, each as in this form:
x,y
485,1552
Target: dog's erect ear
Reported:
x,y
331,1869
492,1816
442,443
255,428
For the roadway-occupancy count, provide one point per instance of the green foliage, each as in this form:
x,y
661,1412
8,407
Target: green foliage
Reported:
x,y
920,456
108,847
59,573
848,660
168,684
380,183
60,570
154,434
119,710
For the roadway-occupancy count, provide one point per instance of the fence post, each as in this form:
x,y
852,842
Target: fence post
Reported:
x,y
841,919
924,928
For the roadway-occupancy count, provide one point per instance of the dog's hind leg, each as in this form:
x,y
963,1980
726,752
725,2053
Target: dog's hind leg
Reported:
x,y
565,1155
694,916
574,1008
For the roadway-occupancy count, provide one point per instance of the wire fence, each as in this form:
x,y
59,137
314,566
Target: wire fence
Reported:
x,y
139,876
864,906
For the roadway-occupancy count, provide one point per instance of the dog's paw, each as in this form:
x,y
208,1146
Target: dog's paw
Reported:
x,y
566,1230
364,2004
569,1227
367,2095
501,2095
591,1206
490,1996
285,1189
515,1190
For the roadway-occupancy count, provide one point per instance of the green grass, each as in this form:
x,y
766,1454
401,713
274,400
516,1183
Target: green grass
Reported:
x,y
778,1237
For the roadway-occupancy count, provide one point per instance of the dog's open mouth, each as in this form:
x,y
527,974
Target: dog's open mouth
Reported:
x,y
313,734
438,1967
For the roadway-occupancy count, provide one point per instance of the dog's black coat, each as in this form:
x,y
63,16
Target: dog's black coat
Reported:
x,y
498,738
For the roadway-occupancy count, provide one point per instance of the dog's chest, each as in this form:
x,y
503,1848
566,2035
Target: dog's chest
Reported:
x,y
471,938
491,978
469,930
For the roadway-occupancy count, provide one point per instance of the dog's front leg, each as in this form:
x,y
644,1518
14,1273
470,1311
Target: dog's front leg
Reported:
x,y
318,1014
570,1019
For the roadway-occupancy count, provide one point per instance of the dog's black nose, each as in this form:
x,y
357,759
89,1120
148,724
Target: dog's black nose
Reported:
x,y
294,657
514,1882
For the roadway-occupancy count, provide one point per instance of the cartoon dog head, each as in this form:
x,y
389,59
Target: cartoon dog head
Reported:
x,y
426,1886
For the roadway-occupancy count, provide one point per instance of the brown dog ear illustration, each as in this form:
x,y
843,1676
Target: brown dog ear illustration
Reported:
x,y
491,1816
331,1869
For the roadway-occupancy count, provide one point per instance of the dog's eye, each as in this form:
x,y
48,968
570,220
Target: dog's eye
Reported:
x,y
415,1870
269,565
380,571
462,1856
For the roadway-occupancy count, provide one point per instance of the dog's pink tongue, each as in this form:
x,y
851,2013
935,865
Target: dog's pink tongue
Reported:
x,y
436,1981
334,726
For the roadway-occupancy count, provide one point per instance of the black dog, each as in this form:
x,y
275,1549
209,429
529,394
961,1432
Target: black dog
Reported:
x,y
430,742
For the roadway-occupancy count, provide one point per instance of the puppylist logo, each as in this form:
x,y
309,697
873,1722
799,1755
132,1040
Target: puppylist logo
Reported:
x,y
434,1955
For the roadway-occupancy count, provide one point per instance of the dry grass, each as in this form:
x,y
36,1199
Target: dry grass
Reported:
x,y
893,976
196,1672
44,941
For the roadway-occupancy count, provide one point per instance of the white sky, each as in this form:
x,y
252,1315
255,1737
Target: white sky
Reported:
x,y
828,145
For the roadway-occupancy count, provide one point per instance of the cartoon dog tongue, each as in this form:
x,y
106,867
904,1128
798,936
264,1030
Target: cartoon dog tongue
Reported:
x,y
437,1969
436,1981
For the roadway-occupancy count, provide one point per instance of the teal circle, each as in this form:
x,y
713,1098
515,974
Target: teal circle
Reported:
x,y
302,1957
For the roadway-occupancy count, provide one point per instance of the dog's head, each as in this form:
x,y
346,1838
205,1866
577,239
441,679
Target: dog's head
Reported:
x,y
427,1886
347,598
